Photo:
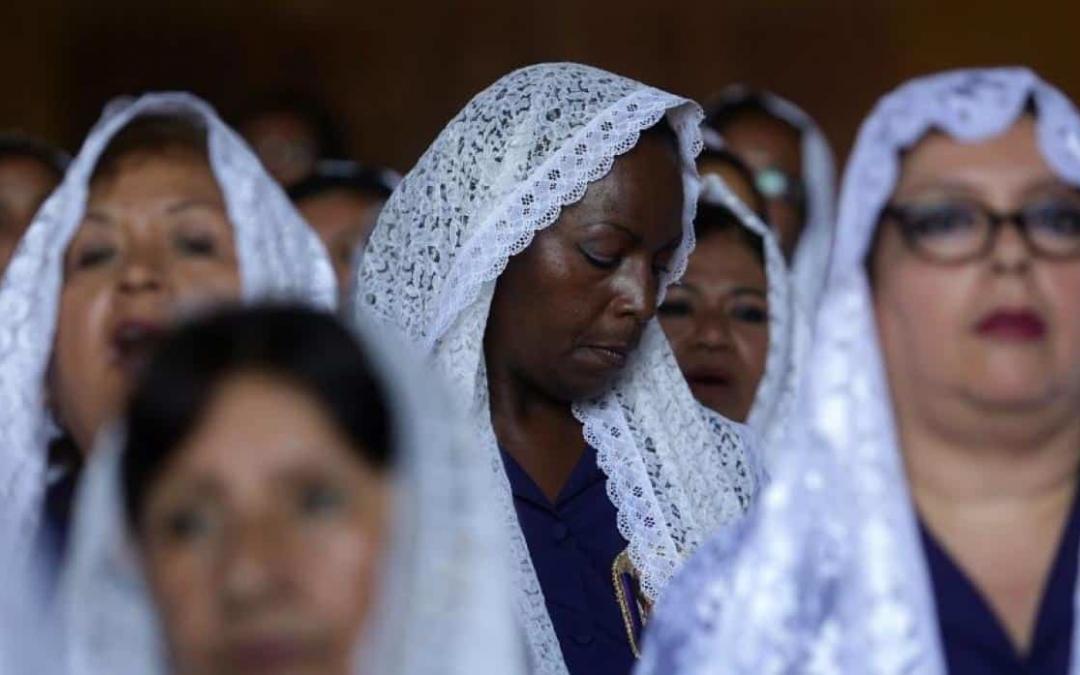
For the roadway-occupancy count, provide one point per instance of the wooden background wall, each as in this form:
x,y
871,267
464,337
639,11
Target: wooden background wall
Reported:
x,y
396,70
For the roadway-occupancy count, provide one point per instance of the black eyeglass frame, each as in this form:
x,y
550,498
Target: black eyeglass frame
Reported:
x,y
996,220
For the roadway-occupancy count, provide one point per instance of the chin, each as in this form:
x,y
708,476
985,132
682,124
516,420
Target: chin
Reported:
x,y
1016,391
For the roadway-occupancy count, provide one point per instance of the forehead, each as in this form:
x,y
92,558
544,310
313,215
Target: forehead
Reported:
x,y
762,138
256,424
23,170
1005,165
726,253
643,192
153,174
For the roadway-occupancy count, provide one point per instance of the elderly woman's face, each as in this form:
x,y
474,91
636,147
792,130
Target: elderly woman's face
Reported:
x,y
569,311
155,241
717,320
1001,330
261,539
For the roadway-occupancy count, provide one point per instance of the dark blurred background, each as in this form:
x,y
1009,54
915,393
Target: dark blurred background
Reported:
x,y
395,71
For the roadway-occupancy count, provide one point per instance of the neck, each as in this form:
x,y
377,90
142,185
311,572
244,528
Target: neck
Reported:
x,y
960,454
537,430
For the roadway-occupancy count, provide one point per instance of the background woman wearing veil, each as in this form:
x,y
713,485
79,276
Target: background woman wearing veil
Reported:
x,y
163,212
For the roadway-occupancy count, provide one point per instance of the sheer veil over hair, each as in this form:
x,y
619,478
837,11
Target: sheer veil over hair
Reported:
x,y
775,399
443,604
278,257
499,172
828,575
811,260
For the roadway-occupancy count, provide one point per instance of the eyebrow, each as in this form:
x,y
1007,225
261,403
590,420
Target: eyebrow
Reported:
x,y
737,291
193,203
622,228
97,217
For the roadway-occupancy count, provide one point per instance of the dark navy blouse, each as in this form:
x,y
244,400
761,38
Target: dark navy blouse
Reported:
x,y
573,544
975,642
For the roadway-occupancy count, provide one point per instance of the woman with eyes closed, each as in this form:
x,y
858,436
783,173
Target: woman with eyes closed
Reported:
x,y
928,519
163,212
284,495
527,253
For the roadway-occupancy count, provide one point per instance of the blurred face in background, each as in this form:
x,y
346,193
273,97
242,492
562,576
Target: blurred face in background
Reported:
x,y
285,143
262,535
155,242
343,219
773,149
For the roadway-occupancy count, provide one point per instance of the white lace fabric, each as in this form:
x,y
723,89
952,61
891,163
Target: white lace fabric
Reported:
x,y
443,606
810,263
788,330
499,172
278,257
828,575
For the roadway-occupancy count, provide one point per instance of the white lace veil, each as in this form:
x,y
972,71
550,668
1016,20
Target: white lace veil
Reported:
x,y
500,171
775,398
444,603
811,260
828,575
278,256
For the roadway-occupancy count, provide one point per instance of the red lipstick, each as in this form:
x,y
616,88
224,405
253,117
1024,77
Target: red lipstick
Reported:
x,y
1012,326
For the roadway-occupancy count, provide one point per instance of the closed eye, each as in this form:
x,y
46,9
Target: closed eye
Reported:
x,y
197,245
675,308
94,255
599,261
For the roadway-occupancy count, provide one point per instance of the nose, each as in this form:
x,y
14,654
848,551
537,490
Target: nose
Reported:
x,y
636,290
1011,252
142,271
253,566
712,330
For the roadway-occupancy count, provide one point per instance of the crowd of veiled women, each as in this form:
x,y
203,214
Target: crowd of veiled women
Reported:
x,y
607,383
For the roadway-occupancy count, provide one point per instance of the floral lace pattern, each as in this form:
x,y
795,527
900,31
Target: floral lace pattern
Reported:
x,y
828,575
278,254
499,172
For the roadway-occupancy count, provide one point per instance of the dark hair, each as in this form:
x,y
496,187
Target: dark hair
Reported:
x,y
153,134
308,348
740,167
345,175
713,219
13,145
328,132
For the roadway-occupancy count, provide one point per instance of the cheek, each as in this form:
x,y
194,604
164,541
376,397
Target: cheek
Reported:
x,y
184,589
753,341
206,284
340,567
679,331
925,308
81,387
1063,293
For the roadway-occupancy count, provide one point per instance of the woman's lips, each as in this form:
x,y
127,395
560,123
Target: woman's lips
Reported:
x,y
607,356
1012,326
133,342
